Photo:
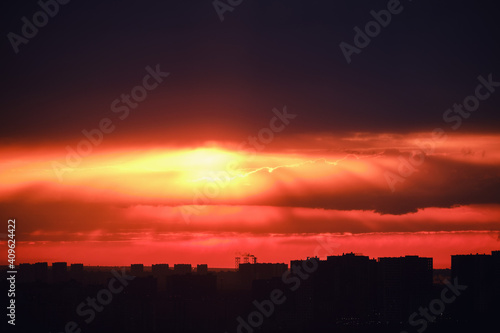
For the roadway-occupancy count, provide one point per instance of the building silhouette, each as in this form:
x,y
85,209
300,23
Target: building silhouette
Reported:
x,y
27,273
59,271
481,274
345,286
137,269
160,272
249,272
41,271
160,269
202,269
404,285
182,269
343,293
77,272
192,286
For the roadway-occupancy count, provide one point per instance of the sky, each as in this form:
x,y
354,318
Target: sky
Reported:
x,y
154,132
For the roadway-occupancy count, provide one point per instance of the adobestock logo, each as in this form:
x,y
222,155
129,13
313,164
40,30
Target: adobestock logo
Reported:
x,y
121,106
221,7
436,306
292,279
408,164
217,181
40,19
96,304
372,29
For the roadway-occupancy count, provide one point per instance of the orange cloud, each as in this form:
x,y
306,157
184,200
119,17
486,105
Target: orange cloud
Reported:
x,y
300,185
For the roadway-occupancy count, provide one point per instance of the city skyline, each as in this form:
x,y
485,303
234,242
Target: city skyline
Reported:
x,y
271,166
195,265
342,291
190,132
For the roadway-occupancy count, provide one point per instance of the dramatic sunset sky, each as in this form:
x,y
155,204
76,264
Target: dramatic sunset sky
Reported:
x,y
178,179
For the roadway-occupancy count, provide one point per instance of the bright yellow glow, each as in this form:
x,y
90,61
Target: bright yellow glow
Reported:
x,y
177,174
201,160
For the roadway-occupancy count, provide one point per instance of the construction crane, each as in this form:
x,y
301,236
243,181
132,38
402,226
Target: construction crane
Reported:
x,y
247,258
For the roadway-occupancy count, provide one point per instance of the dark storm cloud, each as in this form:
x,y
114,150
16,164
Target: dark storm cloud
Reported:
x,y
437,183
265,54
